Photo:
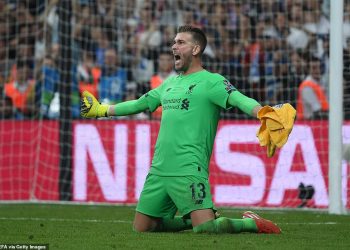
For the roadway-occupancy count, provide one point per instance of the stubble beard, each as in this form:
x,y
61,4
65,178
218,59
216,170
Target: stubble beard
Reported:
x,y
185,66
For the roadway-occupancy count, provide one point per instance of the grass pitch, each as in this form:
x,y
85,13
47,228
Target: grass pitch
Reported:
x,y
110,227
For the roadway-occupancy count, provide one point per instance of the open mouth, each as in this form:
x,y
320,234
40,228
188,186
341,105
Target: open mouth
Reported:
x,y
177,57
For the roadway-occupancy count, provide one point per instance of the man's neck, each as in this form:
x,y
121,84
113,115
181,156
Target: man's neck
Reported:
x,y
193,70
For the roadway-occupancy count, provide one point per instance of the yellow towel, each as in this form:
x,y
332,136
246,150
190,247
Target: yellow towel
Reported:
x,y
276,124
265,139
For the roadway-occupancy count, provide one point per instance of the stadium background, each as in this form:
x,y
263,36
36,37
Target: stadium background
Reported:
x,y
51,50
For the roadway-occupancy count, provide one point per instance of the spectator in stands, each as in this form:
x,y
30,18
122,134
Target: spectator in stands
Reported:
x,y
23,48
40,41
112,88
51,19
297,37
289,73
189,16
23,39
26,50
130,47
165,70
54,51
323,55
314,21
47,89
21,91
107,10
218,20
149,36
217,32
84,28
254,69
269,64
280,25
88,74
143,65
170,13
298,65
312,96
168,33
317,27
100,43
231,62
280,31
23,14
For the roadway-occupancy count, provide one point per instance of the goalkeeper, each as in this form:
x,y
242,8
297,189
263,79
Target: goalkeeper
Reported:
x,y
178,178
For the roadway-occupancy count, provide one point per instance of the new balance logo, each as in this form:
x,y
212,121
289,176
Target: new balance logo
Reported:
x,y
190,88
185,104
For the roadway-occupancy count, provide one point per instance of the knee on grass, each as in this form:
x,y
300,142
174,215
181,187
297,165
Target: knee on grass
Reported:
x,y
142,228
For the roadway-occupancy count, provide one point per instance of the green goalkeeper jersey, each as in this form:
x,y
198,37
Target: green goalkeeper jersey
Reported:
x,y
191,110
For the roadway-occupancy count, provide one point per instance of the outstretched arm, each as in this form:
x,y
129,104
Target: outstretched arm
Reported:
x,y
248,105
91,108
128,107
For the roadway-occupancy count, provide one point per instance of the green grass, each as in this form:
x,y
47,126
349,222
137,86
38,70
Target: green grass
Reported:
x,y
109,227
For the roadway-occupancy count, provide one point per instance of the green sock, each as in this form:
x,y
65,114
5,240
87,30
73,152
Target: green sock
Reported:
x,y
227,225
174,224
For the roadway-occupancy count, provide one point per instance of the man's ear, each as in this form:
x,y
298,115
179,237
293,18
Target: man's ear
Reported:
x,y
196,50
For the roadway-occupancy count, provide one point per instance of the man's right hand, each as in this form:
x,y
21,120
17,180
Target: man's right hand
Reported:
x,y
91,108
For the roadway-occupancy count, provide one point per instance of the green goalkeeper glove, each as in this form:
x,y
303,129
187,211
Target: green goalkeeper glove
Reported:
x,y
91,108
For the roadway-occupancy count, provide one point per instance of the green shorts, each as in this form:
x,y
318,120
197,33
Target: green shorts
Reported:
x,y
163,196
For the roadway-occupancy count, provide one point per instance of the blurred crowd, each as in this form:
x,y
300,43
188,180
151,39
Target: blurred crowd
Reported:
x,y
275,51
